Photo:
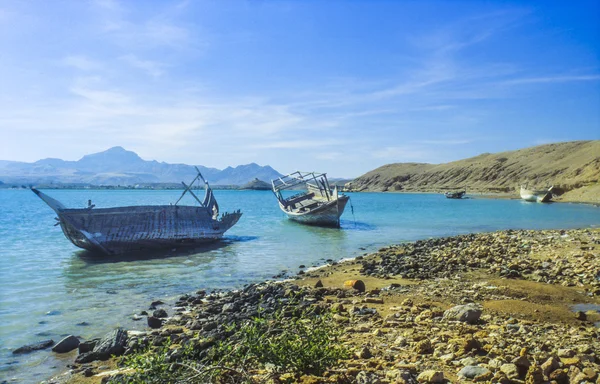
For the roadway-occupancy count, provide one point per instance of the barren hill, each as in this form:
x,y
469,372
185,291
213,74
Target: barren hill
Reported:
x,y
572,167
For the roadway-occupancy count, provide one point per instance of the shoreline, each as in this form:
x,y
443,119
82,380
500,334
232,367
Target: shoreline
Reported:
x,y
519,279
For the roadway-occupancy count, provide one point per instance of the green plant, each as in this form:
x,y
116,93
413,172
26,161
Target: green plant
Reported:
x,y
303,344
306,343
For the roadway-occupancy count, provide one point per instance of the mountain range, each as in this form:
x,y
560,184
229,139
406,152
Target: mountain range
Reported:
x,y
573,168
118,166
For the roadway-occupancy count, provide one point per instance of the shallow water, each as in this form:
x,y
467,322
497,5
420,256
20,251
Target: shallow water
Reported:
x,y
50,288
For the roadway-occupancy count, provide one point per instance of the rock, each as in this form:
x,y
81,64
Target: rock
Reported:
x,y
468,344
399,376
364,377
373,300
522,362
363,353
569,361
579,315
423,347
340,319
230,307
560,376
431,376
534,375
209,326
589,374
33,347
468,313
154,322
113,343
510,370
67,344
565,352
87,357
319,284
156,303
160,313
87,346
472,371
550,366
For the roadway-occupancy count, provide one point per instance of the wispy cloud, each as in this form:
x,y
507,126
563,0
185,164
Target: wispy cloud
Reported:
x,y
551,79
152,68
446,142
82,63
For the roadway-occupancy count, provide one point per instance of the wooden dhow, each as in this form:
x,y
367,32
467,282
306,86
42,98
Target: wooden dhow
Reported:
x,y
318,205
135,228
540,196
455,194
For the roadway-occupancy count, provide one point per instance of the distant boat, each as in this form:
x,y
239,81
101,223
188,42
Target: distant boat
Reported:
x,y
455,194
541,196
134,228
318,205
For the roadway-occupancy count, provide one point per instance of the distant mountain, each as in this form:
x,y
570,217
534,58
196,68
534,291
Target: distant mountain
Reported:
x,y
257,185
118,166
572,167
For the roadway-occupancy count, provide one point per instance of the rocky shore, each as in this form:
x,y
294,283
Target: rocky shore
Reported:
x,y
502,307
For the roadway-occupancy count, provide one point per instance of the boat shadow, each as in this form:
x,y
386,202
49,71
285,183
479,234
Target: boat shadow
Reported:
x,y
351,225
90,257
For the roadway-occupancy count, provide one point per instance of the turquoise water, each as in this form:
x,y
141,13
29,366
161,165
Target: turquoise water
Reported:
x,y
50,288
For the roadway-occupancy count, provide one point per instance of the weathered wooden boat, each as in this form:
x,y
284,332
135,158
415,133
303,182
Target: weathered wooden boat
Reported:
x,y
318,205
135,228
540,195
455,194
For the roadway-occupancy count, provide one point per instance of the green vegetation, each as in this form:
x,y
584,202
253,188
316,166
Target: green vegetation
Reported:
x,y
273,344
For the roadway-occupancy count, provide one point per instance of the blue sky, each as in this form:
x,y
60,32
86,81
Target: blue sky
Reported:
x,y
333,86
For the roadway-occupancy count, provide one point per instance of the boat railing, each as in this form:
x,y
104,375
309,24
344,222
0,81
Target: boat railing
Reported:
x,y
293,179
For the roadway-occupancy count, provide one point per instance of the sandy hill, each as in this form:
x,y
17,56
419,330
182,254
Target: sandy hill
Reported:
x,y
572,167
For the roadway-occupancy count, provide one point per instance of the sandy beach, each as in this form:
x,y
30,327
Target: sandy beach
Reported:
x,y
501,307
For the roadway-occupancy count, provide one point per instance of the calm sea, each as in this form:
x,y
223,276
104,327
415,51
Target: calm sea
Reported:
x,y
49,288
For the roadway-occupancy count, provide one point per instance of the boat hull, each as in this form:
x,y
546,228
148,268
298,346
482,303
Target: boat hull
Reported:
x,y
455,195
130,229
326,215
536,196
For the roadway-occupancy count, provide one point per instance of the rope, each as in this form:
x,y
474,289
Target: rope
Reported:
x,y
352,210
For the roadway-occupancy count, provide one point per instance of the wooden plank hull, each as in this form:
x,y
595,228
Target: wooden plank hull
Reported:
x,y
128,229
327,214
135,228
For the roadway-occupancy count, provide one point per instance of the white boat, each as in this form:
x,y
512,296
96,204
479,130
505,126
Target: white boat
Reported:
x,y
318,205
135,228
540,195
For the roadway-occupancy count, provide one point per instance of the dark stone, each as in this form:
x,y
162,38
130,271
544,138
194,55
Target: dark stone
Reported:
x,y
209,326
67,344
154,322
33,347
87,346
113,343
160,313
155,303
87,357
